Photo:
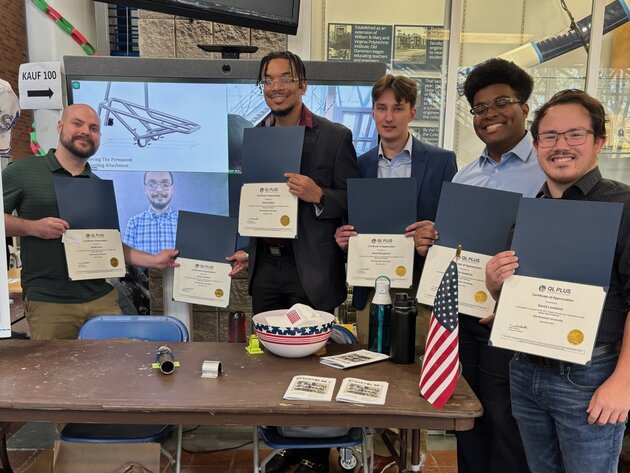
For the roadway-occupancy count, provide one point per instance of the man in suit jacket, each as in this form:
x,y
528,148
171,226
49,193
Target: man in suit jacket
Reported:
x,y
309,269
400,155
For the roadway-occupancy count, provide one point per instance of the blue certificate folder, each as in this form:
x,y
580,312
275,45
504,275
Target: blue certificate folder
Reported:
x,y
205,237
567,240
86,203
269,152
383,206
479,219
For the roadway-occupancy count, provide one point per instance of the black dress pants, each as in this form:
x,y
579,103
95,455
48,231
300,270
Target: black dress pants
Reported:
x,y
276,285
494,444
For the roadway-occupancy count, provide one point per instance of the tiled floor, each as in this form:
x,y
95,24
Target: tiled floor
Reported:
x,y
222,460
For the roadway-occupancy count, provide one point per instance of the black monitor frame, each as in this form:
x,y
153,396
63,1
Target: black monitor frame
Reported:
x,y
209,70
268,15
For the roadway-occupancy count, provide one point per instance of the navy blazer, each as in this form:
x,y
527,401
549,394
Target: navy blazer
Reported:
x,y
431,166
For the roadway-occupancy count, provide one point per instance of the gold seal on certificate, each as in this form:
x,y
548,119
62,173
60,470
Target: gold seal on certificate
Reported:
x,y
90,254
267,210
202,282
373,255
481,296
575,337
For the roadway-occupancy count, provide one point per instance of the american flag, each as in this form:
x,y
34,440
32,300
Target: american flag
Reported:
x,y
293,316
440,370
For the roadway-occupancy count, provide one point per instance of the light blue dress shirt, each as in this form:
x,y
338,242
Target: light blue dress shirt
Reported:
x,y
518,170
399,165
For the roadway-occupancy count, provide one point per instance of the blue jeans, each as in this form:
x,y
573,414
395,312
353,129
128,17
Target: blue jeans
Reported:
x,y
549,404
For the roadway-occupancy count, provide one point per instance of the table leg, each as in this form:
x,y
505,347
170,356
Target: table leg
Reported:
x,y
416,465
5,466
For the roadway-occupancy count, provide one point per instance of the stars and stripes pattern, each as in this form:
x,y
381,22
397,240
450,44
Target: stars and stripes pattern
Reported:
x,y
440,370
293,316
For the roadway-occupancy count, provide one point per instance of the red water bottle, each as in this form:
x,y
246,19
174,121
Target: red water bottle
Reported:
x,y
237,327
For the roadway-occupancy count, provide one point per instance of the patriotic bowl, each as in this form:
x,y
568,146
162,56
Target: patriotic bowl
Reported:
x,y
293,342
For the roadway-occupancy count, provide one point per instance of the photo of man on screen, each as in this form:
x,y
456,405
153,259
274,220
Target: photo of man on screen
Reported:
x,y
155,228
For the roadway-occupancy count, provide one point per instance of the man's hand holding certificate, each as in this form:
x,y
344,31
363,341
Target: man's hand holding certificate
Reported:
x,y
479,220
267,207
380,210
203,242
552,306
92,244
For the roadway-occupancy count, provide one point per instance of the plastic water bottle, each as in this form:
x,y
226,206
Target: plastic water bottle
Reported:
x,y
380,310
403,329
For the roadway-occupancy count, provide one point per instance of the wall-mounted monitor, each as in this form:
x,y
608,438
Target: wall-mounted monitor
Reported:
x,y
172,129
270,15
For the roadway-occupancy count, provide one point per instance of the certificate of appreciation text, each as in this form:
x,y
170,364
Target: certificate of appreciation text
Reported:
x,y
202,282
268,210
474,298
94,254
373,255
548,318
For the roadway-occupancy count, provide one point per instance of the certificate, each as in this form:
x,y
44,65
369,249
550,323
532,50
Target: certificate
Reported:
x,y
374,255
474,298
479,220
380,210
202,282
94,254
267,210
553,304
202,274
554,319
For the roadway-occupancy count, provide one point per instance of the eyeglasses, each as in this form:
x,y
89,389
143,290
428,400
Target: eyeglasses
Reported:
x,y
164,185
499,103
571,137
281,81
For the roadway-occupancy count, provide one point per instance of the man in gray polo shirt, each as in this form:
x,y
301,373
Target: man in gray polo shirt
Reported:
x,y
56,307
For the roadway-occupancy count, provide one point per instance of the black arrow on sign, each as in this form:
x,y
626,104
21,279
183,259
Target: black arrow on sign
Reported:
x,y
40,93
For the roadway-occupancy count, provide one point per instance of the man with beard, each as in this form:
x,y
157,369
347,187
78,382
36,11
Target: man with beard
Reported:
x,y
56,307
310,269
572,417
154,229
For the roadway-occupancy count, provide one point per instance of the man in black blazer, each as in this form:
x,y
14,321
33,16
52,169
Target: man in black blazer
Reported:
x,y
309,269
399,154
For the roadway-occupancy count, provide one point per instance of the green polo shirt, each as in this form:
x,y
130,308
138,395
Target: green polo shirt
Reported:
x,y
28,189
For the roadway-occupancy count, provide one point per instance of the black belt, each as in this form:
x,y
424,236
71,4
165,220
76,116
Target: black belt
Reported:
x,y
276,246
599,350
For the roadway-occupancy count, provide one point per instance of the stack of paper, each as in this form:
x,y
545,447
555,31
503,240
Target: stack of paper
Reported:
x,y
354,358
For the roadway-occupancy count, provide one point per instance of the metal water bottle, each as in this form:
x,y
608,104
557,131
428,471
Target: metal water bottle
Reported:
x,y
380,310
403,329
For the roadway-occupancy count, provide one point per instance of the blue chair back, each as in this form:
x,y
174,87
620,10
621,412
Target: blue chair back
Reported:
x,y
159,328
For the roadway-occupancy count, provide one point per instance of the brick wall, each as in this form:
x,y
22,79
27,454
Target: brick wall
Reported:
x,y
13,52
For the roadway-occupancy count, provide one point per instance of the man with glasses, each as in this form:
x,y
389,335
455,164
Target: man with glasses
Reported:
x,y
572,417
497,91
310,269
155,228
56,307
